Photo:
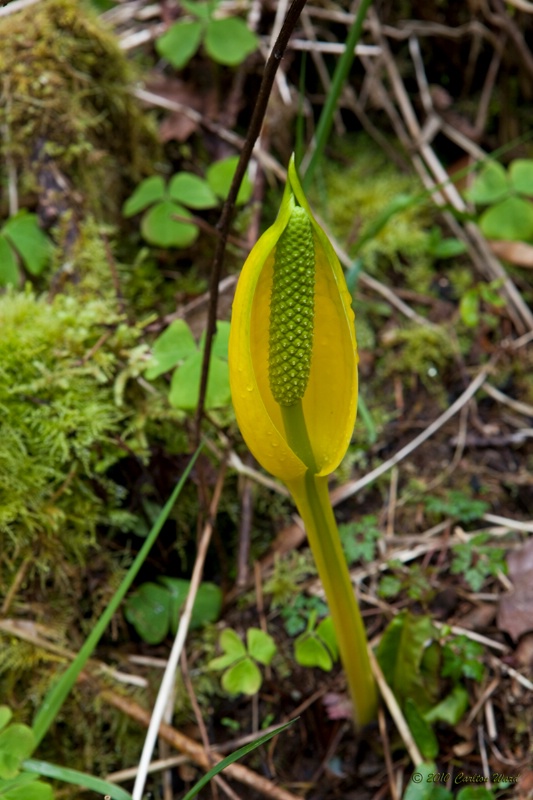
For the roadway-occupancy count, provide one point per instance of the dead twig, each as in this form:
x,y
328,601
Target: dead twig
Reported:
x,y
493,685
245,526
217,781
153,99
387,754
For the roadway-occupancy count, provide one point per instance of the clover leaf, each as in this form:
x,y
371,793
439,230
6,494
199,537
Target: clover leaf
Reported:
x,y
508,194
317,647
242,675
165,222
227,41
154,609
176,348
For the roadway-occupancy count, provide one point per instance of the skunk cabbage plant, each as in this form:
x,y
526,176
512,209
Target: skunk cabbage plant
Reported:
x,y
293,378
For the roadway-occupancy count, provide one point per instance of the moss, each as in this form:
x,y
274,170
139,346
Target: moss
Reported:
x,y
93,737
356,189
60,428
425,351
71,123
62,431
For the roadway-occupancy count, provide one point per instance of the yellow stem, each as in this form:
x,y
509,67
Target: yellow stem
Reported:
x,y
311,496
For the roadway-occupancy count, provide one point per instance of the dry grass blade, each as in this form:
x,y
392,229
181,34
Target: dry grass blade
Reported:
x,y
395,711
167,684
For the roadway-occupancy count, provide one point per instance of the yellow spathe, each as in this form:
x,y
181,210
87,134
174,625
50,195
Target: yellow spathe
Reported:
x,y
330,401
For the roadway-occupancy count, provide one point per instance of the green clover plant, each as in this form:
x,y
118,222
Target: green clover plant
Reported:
x,y
239,661
176,349
317,646
508,194
17,743
167,220
227,41
154,608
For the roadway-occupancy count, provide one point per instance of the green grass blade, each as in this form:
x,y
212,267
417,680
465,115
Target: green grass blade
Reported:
x,y
101,787
58,693
234,757
337,84
366,418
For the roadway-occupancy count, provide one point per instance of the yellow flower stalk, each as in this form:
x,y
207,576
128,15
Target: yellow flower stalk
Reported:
x,y
293,377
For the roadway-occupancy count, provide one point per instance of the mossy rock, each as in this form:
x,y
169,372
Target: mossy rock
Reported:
x,y
73,130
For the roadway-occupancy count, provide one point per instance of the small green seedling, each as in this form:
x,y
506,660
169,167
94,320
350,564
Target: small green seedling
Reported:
x,y
22,242
507,193
239,662
176,349
360,539
154,608
227,41
167,221
414,580
457,505
17,743
470,303
297,610
317,646
462,658
476,560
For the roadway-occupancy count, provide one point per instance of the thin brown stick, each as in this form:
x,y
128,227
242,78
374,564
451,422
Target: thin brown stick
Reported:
x,y
217,780
254,130
245,527
387,754
158,101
